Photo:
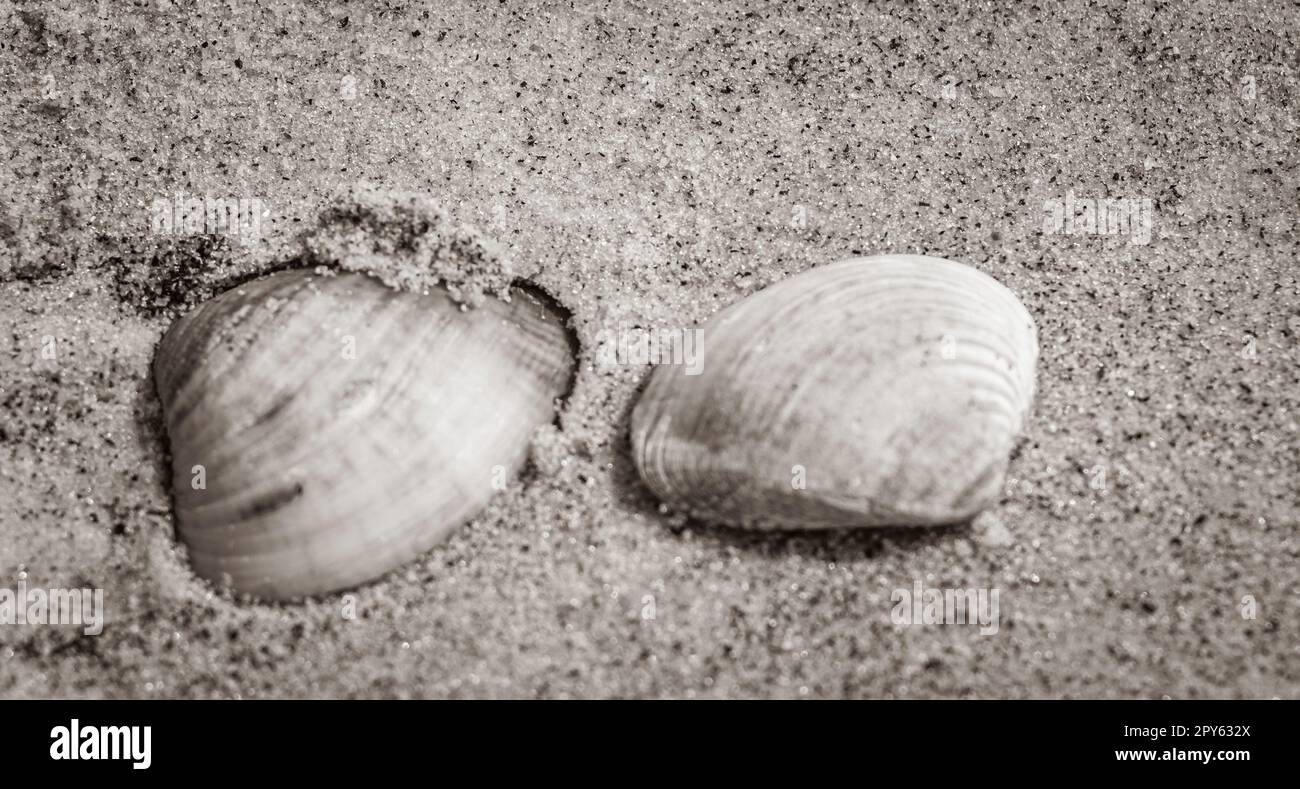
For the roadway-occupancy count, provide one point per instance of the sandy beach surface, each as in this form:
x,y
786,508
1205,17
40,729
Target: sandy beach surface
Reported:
x,y
651,163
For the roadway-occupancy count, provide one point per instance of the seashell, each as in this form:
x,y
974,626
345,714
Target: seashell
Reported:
x,y
882,391
325,429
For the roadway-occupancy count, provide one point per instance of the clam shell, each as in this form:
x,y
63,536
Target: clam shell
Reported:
x,y
872,392
343,427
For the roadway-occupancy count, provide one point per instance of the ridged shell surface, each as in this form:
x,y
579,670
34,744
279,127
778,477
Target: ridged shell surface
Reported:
x,y
325,428
872,392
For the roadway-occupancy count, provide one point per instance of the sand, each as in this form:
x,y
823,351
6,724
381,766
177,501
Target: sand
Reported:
x,y
652,163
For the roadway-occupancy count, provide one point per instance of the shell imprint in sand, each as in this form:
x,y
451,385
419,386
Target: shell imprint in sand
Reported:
x,y
882,391
326,429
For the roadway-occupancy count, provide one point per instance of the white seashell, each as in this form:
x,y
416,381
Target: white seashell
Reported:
x,y
876,391
325,429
